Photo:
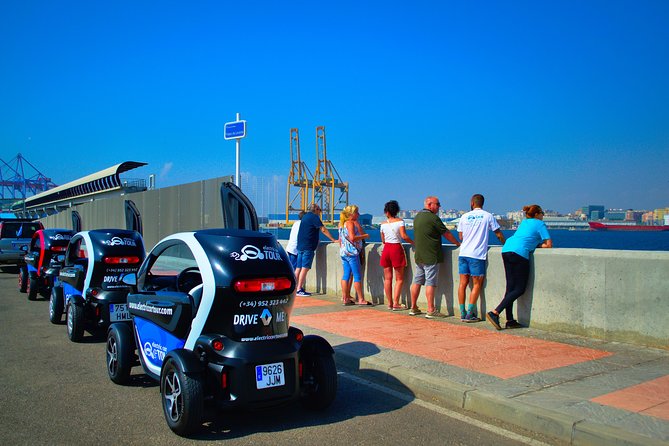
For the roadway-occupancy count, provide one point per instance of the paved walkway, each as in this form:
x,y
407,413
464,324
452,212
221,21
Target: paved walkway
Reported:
x,y
578,390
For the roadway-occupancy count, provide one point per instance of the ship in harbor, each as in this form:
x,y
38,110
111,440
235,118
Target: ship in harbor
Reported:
x,y
604,226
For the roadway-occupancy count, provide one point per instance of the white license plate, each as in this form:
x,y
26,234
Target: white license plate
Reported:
x,y
270,375
118,312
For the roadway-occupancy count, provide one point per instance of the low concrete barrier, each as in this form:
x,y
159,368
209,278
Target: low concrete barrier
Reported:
x,y
607,294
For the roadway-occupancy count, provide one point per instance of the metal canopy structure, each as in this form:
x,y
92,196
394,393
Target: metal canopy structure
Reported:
x,y
88,188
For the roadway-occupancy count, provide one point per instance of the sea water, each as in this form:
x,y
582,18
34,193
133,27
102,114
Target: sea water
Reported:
x,y
562,238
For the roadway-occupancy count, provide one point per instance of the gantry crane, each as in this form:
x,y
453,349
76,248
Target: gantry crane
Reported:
x,y
328,190
300,177
17,181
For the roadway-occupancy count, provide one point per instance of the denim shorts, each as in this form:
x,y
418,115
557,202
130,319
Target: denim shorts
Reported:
x,y
351,265
426,274
471,267
305,259
293,259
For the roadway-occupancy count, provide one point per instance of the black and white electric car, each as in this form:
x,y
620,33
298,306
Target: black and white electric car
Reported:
x,y
43,261
211,322
90,284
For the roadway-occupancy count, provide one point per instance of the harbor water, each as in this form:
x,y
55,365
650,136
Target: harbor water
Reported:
x,y
622,240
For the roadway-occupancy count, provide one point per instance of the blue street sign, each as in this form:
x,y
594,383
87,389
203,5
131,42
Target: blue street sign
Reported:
x,y
234,130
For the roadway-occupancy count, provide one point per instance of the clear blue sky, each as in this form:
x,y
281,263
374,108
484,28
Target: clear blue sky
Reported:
x,y
562,103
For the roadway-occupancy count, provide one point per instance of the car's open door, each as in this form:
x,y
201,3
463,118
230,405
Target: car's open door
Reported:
x,y
238,211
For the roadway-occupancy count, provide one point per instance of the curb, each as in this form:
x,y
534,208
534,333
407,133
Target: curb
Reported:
x,y
442,392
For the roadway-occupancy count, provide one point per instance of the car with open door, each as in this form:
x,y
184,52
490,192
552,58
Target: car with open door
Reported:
x,y
44,259
90,282
210,316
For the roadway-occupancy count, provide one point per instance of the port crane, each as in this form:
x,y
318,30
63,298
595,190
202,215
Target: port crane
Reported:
x,y
300,178
328,189
19,179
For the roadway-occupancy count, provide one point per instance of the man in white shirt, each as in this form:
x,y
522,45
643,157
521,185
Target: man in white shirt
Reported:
x,y
291,247
474,229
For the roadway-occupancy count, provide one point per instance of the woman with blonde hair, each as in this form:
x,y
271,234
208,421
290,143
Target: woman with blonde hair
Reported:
x,y
393,256
351,238
531,234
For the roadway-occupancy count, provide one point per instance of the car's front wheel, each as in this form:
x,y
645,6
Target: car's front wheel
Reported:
x,y
119,353
33,287
183,399
75,322
56,305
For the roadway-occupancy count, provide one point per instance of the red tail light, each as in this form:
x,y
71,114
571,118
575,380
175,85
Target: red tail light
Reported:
x,y
118,260
58,248
265,284
218,345
299,367
224,380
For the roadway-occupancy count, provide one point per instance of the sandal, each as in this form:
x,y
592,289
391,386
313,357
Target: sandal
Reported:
x,y
399,308
364,303
348,302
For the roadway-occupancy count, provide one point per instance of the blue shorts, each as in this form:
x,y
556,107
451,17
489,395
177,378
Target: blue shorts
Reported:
x,y
471,267
426,274
293,259
305,259
351,266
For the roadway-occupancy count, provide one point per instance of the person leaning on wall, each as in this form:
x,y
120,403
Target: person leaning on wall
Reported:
x,y
531,234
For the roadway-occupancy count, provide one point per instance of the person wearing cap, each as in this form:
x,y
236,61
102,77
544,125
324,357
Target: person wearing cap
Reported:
x,y
531,234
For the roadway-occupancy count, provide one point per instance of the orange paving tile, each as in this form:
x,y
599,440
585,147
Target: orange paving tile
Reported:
x,y
498,354
649,398
302,302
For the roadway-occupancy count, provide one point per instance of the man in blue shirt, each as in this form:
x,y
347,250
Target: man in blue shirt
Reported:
x,y
307,242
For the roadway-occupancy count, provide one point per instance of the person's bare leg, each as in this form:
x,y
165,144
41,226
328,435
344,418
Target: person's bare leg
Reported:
x,y
399,283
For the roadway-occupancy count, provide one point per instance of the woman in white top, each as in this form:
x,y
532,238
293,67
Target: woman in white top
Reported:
x,y
393,256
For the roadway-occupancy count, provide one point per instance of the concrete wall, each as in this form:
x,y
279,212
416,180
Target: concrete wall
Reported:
x,y
608,294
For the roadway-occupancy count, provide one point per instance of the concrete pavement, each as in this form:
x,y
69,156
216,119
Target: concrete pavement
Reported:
x,y
578,390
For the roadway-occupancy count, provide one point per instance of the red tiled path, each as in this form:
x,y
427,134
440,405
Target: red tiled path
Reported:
x,y
301,302
649,398
497,354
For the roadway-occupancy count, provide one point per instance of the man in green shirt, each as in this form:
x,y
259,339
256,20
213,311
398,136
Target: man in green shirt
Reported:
x,y
427,231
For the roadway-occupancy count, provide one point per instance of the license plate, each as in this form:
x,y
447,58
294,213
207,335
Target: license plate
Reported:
x,y
270,375
118,312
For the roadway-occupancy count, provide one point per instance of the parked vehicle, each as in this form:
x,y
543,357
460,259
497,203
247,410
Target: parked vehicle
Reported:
x,y
43,261
210,316
91,280
15,235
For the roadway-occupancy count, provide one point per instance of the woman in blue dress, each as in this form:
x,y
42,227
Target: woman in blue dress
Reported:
x,y
531,234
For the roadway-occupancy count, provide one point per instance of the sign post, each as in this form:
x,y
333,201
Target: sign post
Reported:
x,y
235,130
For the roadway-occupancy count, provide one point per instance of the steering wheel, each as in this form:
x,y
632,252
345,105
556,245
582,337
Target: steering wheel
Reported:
x,y
188,279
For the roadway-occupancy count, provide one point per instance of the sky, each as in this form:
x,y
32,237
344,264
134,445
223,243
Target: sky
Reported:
x,y
560,103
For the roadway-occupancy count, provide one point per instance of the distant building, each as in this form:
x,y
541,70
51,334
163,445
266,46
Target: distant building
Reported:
x,y
593,211
616,215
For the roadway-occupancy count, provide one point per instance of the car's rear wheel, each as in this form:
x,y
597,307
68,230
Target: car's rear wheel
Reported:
x,y
319,380
23,279
33,287
119,354
75,322
182,396
56,305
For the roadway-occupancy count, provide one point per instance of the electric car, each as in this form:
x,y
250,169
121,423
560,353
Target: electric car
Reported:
x,y
211,322
90,284
43,261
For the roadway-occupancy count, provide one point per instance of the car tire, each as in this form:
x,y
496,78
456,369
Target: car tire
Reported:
x,y
23,279
319,380
56,305
183,398
75,322
33,287
119,352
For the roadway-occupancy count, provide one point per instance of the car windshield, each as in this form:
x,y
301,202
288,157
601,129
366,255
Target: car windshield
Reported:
x,y
18,229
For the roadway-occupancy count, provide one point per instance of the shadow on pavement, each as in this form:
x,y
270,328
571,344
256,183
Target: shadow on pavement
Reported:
x,y
354,399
